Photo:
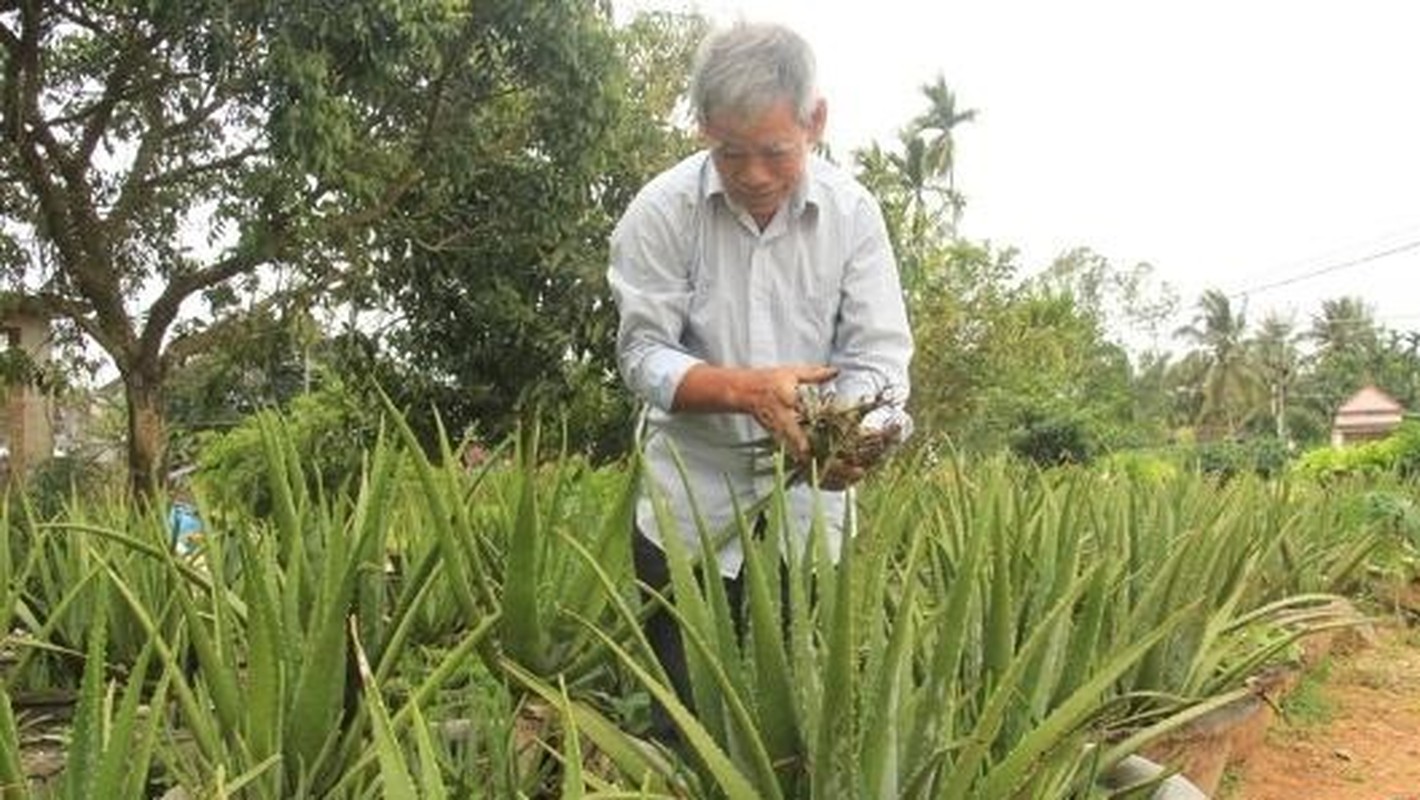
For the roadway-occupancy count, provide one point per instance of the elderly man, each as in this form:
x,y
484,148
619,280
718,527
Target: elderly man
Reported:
x,y
745,272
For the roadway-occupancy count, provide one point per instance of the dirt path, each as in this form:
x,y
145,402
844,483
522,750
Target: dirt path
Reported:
x,y
1352,731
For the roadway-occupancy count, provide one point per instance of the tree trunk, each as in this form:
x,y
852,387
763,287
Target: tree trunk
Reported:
x,y
147,439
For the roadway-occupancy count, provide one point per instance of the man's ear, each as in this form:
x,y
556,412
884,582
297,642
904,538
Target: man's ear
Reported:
x,y
818,119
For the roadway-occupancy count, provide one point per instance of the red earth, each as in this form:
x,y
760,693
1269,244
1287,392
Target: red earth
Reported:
x,y
1352,733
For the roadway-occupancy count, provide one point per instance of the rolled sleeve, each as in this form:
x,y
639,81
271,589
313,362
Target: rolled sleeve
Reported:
x,y
661,371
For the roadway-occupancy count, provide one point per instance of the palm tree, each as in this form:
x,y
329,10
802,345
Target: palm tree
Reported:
x,y
1230,387
921,215
937,125
1347,342
1278,361
1344,326
915,185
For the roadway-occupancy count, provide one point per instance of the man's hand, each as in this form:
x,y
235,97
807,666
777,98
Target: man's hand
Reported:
x,y
772,398
769,394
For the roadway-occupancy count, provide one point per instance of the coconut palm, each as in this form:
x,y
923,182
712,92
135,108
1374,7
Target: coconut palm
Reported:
x,y
1230,388
1347,342
1345,325
915,184
1278,362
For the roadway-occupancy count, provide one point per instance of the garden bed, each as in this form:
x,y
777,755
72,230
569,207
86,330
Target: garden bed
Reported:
x,y
1207,747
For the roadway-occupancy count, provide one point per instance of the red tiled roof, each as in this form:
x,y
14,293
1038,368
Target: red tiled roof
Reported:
x,y
1369,400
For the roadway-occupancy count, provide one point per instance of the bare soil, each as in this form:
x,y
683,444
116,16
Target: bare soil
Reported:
x,y
1353,735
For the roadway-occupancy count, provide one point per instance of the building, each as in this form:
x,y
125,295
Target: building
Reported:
x,y
1369,414
26,413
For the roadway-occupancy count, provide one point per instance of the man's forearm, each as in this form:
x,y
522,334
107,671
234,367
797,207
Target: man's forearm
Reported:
x,y
708,389
769,394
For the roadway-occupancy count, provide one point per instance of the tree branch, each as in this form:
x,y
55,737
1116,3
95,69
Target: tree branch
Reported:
x,y
164,310
79,18
176,176
55,305
188,345
115,89
8,39
19,100
138,186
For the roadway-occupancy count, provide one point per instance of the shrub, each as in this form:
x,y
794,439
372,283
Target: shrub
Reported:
x,y
57,481
1405,447
1053,439
1141,466
1265,457
1363,460
332,427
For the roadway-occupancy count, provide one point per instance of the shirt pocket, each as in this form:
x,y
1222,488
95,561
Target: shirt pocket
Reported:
x,y
814,303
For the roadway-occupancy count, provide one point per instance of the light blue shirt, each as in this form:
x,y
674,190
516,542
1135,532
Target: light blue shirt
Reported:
x,y
695,280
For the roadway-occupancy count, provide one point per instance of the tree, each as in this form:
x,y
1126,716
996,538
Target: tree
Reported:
x,y
916,185
1278,362
265,360
1397,365
1346,344
159,153
1160,403
1126,302
1344,326
1229,387
936,128
954,316
1003,361
500,298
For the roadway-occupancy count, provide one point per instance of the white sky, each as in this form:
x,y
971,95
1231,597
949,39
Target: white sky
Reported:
x,y
1231,144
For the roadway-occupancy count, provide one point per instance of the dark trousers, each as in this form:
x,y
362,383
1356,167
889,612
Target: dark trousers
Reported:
x,y
663,633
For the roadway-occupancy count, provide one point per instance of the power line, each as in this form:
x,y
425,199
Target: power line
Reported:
x,y
1355,262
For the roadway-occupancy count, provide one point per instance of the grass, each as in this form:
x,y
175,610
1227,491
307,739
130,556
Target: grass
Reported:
x,y
1229,785
1309,705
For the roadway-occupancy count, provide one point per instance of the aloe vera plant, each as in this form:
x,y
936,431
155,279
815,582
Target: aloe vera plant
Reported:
x,y
112,737
1000,623
992,631
502,544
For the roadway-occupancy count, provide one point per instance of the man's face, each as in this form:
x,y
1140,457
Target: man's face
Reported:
x,y
761,158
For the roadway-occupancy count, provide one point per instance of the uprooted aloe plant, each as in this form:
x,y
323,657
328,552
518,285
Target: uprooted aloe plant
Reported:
x,y
841,434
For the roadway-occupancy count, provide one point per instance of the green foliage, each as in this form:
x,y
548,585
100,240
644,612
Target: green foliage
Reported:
x,y
503,305
1397,453
1278,381
1228,388
985,625
1054,440
1308,705
58,482
1001,363
1405,447
1264,456
266,360
333,426
1394,512
1142,468
328,157
1328,462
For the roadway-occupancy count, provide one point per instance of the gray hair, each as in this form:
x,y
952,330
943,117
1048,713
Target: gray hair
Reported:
x,y
748,67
